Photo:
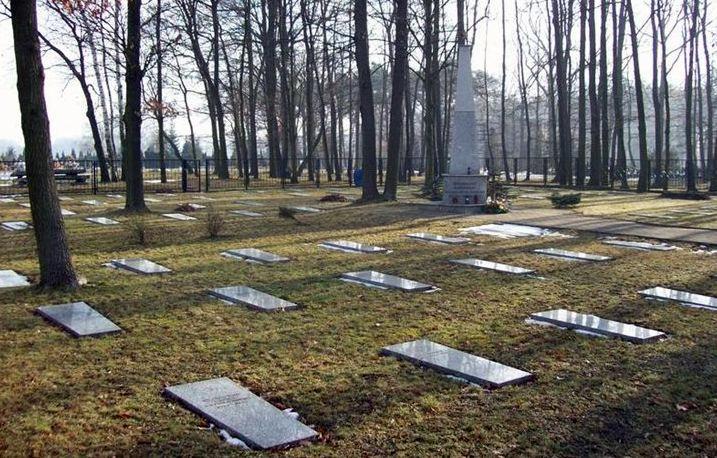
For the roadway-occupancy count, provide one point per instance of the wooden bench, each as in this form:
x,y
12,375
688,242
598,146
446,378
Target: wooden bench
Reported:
x,y
75,175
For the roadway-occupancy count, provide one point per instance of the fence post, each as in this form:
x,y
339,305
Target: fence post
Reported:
x,y
318,172
578,182
515,170
206,176
545,171
94,177
380,171
246,173
184,175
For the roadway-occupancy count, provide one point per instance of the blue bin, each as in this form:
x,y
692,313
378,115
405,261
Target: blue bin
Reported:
x,y
358,177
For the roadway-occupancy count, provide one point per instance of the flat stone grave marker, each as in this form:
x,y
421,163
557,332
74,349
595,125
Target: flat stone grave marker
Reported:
x,y
509,231
246,213
457,363
240,412
595,324
179,216
577,255
79,319
254,254
102,220
152,200
248,202
298,194
140,266
24,204
116,196
306,209
67,212
641,245
373,278
490,265
11,279
353,247
685,297
439,238
252,298
15,225
7,200
196,206
166,194
93,202
65,198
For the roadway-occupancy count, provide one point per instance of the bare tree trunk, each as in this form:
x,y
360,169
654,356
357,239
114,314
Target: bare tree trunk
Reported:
x,y
502,98
595,150
617,90
272,128
52,246
565,166
523,87
582,124
604,107
709,94
691,17
160,99
643,183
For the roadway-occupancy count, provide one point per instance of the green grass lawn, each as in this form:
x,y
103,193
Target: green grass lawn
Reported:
x,y
601,397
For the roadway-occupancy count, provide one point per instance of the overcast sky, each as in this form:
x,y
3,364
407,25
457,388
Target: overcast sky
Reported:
x,y
67,108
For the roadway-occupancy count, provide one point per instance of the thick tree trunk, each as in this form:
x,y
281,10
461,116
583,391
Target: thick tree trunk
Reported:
x,y
582,122
595,150
52,247
565,166
503,147
642,184
603,91
617,90
160,99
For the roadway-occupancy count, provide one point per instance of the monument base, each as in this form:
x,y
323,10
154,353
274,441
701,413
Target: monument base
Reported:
x,y
465,190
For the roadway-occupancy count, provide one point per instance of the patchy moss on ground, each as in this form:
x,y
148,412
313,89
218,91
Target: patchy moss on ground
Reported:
x,y
102,396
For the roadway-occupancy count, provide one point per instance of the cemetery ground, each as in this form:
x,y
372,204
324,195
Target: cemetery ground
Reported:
x,y
590,396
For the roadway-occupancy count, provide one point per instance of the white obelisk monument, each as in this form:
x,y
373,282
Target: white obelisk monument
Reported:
x,y
464,185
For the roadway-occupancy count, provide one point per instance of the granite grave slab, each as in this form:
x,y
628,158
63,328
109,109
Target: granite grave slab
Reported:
x,y
240,412
580,321
490,265
179,216
11,279
116,196
254,254
298,194
79,319
645,246
67,212
7,200
252,298
509,231
371,277
246,213
555,252
15,225
685,297
24,204
152,200
305,209
347,245
139,266
439,238
196,206
457,363
102,220
93,202
251,203
63,198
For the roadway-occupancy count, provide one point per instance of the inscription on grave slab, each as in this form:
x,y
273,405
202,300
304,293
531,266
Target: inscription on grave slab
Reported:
x,y
252,298
465,189
371,277
241,413
79,319
347,245
571,254
592,323
457,363
685,297
139,266
490,265
256,255
439,238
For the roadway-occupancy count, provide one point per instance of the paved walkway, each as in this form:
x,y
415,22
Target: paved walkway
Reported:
x,y
566,219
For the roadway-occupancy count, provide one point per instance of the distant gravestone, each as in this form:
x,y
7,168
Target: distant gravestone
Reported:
x,y
24,204
597,325
240,412
684,297
490,265
102,221
349,246
15,225
67,212
298,194
93,202
63,198
252,298
640,245
457,363
196,206
305,209
179,216
116,196
79,319
255,255
509,231
246,213
577,255
373,278
139,266
152,200
248,202
439,238
7,200
11,279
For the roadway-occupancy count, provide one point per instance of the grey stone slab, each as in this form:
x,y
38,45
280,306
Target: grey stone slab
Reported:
x,y
140,266
24,204
102,220
372,277
79,319
65,198
457,363
257,255
509,230
152,200
197,206
251,203
439,238
166,194
67,212
595,324
15,225
306,209
252,298
641,245
240,412
298,194
572,254
93,202
179,216
116,196
352,246
685,297
490,265
246,213
7,200
11,279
